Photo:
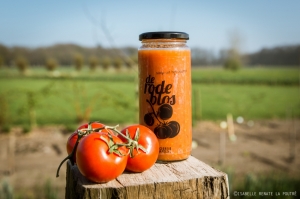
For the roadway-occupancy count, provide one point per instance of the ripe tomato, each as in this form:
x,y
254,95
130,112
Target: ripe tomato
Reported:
x,y
94,160
73,137
142,161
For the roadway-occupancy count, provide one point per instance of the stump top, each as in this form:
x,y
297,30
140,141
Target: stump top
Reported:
x,y
190,177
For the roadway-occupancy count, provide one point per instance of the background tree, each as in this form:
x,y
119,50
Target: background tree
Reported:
x,y
117,63
202,57
281,56
130,63
287,55
22,64
78,61
233,61
1,61
105,63
51,64
5,54
93,62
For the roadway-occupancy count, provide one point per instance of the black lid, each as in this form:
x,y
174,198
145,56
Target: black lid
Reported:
x,y
164,35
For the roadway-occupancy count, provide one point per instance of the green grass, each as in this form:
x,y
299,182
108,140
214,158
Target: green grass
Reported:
x,y
249,101
70,72
269,76
111,97
45,190
111,102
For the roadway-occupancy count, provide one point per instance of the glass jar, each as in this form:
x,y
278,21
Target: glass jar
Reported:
x,y
164,62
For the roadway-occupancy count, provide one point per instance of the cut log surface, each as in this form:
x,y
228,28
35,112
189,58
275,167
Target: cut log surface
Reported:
x,y
190,179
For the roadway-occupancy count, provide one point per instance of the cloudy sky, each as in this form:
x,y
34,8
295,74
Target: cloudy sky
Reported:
x,y
210,24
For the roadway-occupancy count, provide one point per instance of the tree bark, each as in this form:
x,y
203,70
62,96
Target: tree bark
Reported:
x,y
190,179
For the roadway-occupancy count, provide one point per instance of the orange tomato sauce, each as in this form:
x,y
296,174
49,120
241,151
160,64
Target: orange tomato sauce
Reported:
x,y
165,99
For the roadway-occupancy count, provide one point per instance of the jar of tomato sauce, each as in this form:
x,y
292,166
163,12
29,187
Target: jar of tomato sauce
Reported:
x,y
164,62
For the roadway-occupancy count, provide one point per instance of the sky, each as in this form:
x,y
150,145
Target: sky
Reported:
x,y
210,24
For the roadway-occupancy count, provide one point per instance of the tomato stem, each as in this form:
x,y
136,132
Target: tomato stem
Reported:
x,y
70,156
131,143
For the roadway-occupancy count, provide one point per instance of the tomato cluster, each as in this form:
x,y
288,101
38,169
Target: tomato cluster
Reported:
x,y
102,153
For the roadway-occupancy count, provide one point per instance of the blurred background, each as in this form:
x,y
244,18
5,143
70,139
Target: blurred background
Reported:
x,y
63,63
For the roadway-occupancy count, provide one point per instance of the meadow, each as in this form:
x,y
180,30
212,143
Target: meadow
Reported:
x,y
67,97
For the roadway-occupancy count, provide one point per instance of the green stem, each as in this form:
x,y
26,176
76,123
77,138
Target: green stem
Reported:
x,y
131,143
114,128
70,156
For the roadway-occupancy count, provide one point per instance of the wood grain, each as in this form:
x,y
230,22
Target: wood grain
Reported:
x,y
188,179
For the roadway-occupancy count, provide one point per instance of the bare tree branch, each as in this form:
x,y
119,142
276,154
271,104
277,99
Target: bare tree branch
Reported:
x,y
102,25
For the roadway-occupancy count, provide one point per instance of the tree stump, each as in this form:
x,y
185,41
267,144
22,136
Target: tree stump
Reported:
x,y
190,178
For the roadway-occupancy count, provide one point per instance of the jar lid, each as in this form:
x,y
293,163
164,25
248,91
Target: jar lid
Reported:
x,y
164,35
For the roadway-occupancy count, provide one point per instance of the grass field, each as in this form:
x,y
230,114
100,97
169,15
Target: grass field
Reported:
x,y
256,75
111,96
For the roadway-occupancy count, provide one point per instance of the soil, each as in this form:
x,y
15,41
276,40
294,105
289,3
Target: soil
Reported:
x,y
264,146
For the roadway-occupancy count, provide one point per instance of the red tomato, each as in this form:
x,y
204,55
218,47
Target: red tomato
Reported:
x,y
94,160
73,137
142,161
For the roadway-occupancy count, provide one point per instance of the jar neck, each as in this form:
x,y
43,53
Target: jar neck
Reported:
x,y
164,43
